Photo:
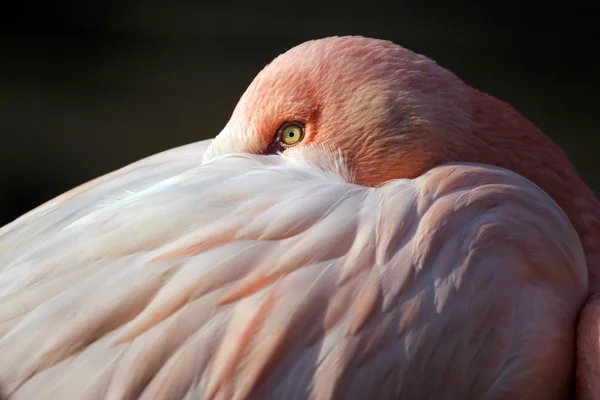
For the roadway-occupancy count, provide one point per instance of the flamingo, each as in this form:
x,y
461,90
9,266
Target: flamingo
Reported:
x,y
366,225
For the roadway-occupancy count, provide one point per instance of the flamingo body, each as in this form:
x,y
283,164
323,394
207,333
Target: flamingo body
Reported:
x,y
365,226
159,282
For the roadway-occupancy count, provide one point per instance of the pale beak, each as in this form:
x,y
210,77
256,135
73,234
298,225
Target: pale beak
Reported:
x,y
234,140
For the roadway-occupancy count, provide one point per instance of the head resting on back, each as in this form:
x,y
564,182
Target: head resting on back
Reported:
x,y
392,114
388,110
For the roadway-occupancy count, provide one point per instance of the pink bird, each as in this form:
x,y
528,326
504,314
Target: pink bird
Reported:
x,y
365,226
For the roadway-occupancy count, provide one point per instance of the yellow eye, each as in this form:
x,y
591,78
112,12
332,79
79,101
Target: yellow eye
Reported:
x,y
291,134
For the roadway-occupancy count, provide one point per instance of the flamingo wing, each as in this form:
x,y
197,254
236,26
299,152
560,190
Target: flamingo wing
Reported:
x,y
253,277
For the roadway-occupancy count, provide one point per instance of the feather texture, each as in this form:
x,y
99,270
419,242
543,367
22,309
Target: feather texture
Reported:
x,y
255,277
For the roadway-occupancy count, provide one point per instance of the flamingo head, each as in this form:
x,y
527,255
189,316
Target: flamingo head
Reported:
x,y
387,112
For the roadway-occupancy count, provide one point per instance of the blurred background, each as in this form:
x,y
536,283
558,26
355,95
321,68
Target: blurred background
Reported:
x,y
89,86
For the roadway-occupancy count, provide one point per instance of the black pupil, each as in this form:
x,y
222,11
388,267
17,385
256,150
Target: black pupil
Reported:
x,y
291,134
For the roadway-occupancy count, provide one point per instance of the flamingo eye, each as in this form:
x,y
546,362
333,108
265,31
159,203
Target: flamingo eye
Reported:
x,y
291,133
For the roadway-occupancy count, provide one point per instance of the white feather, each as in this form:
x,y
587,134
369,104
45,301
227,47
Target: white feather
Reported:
x,y
260,277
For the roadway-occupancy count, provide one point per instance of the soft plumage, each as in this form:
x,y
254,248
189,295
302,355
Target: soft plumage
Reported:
x,y
422,240
251,276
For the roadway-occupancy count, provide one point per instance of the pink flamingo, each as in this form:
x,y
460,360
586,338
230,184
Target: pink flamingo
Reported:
x,y
365,226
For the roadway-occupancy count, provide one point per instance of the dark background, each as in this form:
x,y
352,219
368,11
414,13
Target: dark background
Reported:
x,y
89,86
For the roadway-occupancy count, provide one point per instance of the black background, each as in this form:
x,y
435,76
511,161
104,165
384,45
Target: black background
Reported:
x,y
89,86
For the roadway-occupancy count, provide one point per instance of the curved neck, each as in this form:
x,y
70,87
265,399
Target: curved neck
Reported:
x,y
526,150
